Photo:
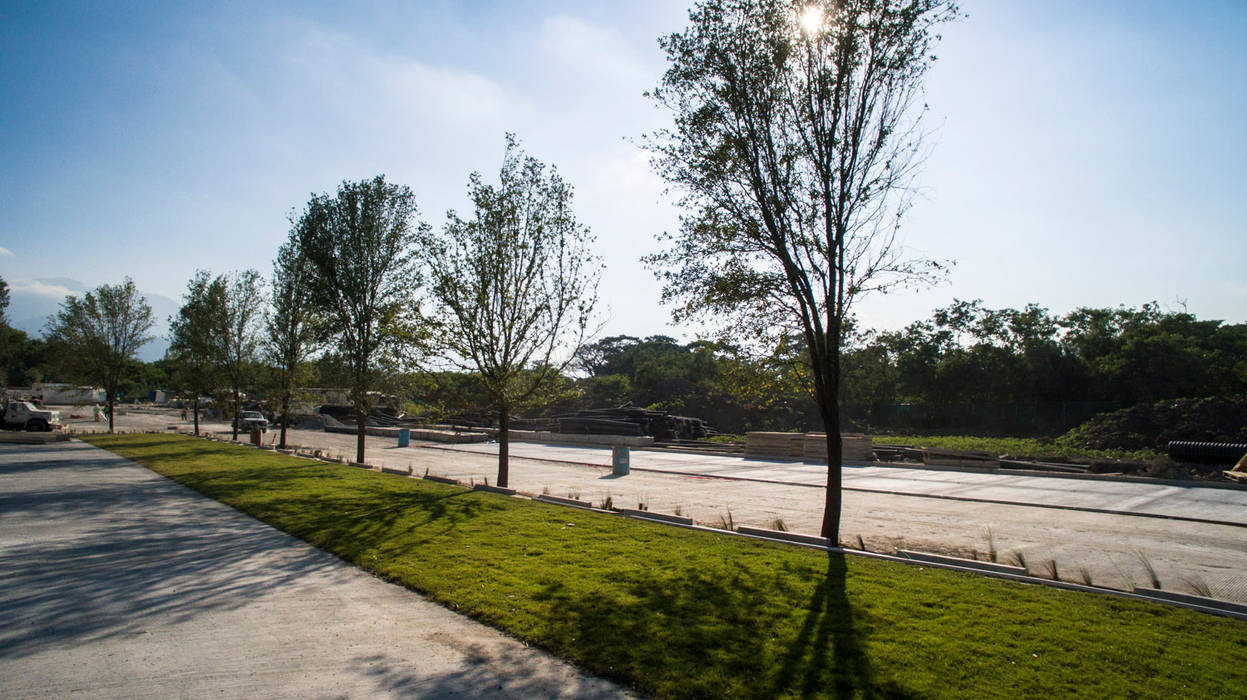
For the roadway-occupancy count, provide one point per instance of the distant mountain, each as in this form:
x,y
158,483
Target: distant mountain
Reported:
x,y
32,304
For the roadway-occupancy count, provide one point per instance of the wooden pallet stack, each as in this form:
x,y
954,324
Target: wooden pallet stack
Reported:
x,y
811,447
775,445
854,447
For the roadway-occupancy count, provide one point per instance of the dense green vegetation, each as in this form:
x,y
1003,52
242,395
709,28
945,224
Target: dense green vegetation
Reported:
x,y
1061,449
968,370
680,613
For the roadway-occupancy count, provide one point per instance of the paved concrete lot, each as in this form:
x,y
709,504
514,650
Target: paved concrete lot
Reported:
x,y
115,582
1205,504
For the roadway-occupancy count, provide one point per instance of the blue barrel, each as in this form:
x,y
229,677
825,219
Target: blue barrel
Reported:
x,y
620,460
404,437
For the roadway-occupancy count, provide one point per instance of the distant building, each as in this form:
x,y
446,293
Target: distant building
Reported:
x,y
67,394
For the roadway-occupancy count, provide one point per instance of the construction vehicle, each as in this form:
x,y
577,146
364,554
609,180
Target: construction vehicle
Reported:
x,y
22,415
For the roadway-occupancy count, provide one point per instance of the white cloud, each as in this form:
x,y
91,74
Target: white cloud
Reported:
x,y
5,251
42,289
362,83
579,45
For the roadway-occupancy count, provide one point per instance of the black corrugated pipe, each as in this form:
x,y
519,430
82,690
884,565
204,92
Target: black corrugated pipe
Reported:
x,y
1206,452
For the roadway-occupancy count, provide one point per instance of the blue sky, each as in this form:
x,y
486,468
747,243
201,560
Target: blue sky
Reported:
x,y
1086,153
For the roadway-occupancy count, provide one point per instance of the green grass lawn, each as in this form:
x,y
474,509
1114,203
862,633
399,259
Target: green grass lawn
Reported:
x,y
1037,448
679,613
1018,448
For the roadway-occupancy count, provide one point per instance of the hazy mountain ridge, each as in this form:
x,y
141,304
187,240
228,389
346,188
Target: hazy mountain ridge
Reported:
x,y
32,304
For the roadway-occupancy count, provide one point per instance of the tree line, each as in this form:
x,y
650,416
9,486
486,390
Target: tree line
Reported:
x,y
968,369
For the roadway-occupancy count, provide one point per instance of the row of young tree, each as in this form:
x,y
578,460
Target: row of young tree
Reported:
x,y
370,293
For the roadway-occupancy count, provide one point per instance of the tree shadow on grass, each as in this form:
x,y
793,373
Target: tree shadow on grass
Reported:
x,y
743,629
828,657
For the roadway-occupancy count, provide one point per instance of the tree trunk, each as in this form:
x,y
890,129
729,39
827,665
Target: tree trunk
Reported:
x,y
830,411
196,414
285,418
827,395
504,443
237,412
361,429
111,409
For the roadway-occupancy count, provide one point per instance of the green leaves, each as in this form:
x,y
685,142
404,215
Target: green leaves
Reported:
x,y
516,284
103,330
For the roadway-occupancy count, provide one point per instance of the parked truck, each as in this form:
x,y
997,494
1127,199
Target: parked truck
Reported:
x,y
22,415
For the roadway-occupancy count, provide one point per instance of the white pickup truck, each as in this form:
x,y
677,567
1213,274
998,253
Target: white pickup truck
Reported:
x,y
22,415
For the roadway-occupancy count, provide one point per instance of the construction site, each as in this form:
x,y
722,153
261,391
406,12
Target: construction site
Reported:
x,y
1111,530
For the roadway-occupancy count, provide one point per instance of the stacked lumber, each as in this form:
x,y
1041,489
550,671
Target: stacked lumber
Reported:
x,y
957,458
782,445
854,447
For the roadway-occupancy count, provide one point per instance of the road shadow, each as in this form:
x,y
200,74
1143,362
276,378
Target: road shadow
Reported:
x,y
505,672
93,558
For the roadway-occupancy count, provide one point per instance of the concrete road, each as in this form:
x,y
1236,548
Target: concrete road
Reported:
x,y
115,582
1183,502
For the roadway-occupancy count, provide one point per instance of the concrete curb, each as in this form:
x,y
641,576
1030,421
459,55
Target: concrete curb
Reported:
x,y
26,438
560,501
493,489
1212,604
658,517
928,558
441,479
784,535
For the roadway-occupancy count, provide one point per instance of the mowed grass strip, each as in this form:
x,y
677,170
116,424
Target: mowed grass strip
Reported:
x,y
1018,448
680,613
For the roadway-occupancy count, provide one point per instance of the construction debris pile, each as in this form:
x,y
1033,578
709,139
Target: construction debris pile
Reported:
x,y
630,420
622,420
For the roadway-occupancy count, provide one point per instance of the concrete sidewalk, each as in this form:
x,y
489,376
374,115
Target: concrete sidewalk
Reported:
x,y
119,583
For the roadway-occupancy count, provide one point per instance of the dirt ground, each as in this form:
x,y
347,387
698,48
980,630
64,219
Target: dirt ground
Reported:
x,y
1105,549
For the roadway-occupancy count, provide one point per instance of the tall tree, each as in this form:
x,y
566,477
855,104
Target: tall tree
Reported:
x,y
516,284
291,333
194,346
361,247
796,141
102,331
238,336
